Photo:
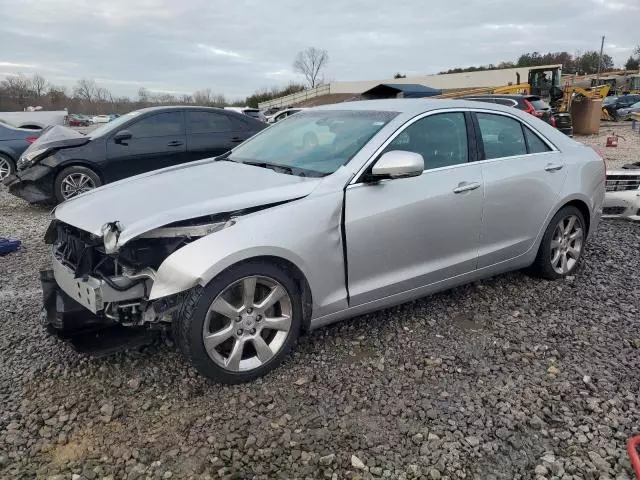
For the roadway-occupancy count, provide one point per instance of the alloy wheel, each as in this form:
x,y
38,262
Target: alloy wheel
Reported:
x,y
566,244
75,184
247,324
5,168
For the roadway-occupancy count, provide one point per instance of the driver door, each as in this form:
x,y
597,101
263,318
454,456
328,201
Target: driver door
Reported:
x,y
407,233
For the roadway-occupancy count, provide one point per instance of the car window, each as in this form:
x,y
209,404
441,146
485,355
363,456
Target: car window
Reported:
x,y
501,136
536,145
209,122
539,104
158,125
506,101
441,139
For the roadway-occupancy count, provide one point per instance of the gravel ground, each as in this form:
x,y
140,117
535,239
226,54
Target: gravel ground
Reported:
x,y
628,149
509,378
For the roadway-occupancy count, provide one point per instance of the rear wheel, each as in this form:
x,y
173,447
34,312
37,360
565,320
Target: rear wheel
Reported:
x,y
73,181
7,167
562,245
242,324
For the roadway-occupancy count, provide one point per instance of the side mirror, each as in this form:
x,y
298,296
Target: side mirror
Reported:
x,y
398,164
122,135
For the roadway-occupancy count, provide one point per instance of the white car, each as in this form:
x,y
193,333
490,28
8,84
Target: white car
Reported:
x,y
622,197
281,115
101,119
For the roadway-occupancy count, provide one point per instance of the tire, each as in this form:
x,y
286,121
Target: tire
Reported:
x,y
63,190
193,322
570,245
7,167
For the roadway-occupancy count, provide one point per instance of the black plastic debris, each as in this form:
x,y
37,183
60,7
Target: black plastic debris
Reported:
x,y
8,245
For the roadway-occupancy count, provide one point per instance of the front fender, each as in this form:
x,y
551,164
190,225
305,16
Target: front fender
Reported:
x,y
305,232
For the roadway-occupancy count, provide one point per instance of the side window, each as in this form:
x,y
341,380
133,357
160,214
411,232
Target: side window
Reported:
x,y
506,101
159,125
536,145
209,122
501,136
441,139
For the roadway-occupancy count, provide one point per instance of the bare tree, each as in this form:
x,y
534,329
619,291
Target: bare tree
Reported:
x,y
203,97
85,90
309,63
18,89
38,85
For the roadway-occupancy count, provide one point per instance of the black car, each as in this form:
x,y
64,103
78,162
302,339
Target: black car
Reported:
x,y
13,141
532,104
64,163
613,104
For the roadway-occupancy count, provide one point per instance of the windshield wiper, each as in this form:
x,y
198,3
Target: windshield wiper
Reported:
x,y
273,166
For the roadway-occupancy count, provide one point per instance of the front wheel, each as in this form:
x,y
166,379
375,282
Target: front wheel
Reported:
x,y
7,167
242,324
73,181
562,245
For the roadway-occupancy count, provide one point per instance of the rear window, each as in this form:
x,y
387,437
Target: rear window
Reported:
x,y
252,113
538,104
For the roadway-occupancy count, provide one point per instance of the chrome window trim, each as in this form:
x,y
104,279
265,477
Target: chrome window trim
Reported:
x,y
356,179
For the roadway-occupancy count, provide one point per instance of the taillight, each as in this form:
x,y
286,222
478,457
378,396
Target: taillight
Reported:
x,y
552,121
529,108
31,139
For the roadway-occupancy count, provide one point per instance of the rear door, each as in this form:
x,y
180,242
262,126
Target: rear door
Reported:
x,y
157,141
408,233
213,133
523,176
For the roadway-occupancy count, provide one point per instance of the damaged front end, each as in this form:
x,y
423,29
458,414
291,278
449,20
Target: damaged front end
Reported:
x,y
95,285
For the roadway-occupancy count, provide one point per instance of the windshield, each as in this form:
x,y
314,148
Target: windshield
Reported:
x,y
609,100
313,143
113,125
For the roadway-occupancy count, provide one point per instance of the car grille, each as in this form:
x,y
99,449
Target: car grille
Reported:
x,y
618,183
613,210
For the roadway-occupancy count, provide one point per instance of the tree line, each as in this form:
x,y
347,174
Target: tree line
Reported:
x,y
18,92
582,63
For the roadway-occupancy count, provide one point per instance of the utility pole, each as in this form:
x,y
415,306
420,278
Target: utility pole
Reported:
x,y
599,63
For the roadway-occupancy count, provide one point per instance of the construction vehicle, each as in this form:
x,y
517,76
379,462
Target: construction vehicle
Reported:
x,y
544,82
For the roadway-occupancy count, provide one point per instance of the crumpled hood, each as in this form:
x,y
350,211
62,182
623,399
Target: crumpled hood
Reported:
x,y
158,198
58,136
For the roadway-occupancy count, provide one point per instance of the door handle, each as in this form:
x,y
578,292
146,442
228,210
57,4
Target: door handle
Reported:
x,y
553,167
466,187
175,143
237,140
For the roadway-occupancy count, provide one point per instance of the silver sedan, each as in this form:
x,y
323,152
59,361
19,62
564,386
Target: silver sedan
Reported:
x,y
332,213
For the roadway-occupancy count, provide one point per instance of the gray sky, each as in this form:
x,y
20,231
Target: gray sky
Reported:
x,y
237,46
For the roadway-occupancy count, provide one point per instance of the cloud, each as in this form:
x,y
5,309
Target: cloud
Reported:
x,y
235,47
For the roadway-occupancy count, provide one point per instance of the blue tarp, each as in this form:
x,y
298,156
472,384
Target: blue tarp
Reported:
x,y
408,90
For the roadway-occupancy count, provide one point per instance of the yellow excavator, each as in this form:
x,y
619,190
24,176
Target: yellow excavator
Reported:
x,y
544,82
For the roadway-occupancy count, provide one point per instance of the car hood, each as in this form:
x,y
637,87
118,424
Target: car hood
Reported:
x,y
58,136
184,192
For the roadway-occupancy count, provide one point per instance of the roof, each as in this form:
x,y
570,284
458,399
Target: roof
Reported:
x,y
412,106
409,90
177,107
502,95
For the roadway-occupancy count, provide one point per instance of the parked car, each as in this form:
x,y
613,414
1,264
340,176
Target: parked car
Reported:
x,y
250,112
531,104
100,119
13,141
338,211
76,120
35,120
64,163
284,114
623,113
624,101
622,198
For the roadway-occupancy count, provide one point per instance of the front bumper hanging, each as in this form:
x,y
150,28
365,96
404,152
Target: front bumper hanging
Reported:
x,y
86,331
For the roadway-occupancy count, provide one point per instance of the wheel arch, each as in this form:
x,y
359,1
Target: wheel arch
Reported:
x,y
78,162
582,206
